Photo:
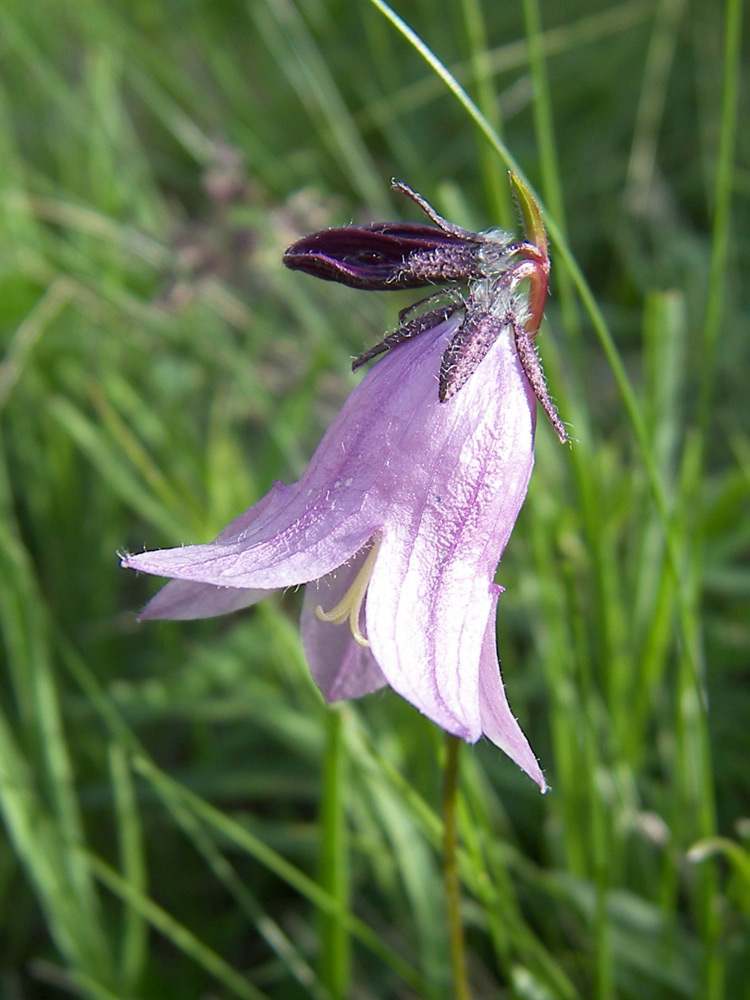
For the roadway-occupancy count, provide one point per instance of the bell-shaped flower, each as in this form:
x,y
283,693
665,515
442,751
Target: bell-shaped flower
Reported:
x,y
400,520
398,524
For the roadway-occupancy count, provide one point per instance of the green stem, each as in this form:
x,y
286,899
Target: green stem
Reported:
x,y
335,944
722,196
451,877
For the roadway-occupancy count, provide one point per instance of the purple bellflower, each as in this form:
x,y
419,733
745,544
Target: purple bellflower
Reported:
x,y
400,519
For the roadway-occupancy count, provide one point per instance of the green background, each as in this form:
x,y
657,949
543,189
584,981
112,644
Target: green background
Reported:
x,y
181,815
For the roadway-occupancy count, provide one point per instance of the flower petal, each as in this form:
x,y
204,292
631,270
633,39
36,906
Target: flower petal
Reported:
x,y
340,666
294,534
302,532
498,722
468,461
183,600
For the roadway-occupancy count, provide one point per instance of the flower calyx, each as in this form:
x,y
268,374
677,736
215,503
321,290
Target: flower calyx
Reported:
x,y
491,266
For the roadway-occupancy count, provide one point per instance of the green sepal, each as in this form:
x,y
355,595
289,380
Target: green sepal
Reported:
x,y
531,217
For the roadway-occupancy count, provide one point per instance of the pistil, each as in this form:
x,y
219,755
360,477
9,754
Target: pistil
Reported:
x,y
350,606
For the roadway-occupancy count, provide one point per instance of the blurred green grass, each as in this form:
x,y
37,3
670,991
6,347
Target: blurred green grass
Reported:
x,y
182,816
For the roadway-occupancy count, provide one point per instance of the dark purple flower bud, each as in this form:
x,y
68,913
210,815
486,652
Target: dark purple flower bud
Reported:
x,y
391,255
387,255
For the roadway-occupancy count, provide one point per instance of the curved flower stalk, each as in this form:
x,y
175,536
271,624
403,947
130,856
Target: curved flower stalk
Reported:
x,y
398,523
